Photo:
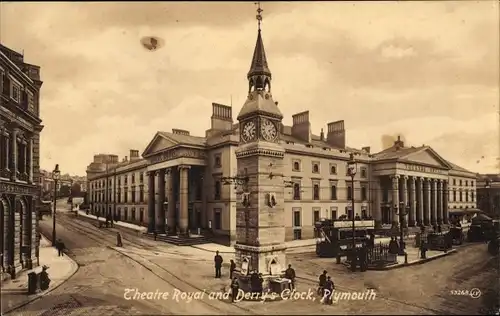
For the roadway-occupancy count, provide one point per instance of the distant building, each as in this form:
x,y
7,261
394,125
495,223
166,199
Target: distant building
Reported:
x,y
47,182
488,194
20,127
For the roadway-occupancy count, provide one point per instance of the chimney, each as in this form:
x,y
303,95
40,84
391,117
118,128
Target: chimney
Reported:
x,y
322,135
134,154
180,131
367,149
336,134
221,120
399,143
301,127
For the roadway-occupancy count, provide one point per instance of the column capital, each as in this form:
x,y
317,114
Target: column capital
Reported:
x,y
394,176
405,177
181,167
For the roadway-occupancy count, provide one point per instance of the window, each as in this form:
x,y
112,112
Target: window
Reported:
x,y
349,192
133,213
316,192
141,215
296,219
472,183
472,196
15,93
141,193
333,212
461,196
466,183
31,102
466,196
119,181
125,216
454,196
454,181
133,194
333,169
133,177
364,195
141,177
119,196
363,172
316,215
125,195
460,182
333,192
296,191
315,167
349,212
217,161
125,180
217,190
296,166
218,218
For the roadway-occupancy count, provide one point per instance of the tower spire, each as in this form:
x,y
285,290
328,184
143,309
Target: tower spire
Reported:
x,y
259,75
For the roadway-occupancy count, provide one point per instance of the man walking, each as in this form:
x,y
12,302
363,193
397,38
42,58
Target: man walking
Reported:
x,y
218,264
232,267
60,248
290,274
322,283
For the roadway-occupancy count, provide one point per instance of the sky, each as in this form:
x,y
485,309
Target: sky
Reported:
x,y
428,71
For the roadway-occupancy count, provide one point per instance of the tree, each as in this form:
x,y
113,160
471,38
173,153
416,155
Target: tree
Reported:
x,y
76,190
64,190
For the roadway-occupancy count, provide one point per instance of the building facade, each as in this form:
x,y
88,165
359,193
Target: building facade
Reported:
x,y
20,127
488,194
194,183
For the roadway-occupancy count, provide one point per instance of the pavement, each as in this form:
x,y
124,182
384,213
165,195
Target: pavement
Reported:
x,y
130,226
14,292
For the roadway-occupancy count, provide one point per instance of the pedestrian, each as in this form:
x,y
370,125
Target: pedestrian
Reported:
x,y
232,267
119,240
329,288
322,283
235,286
60,247
218,264
393,246
290,274
254,282
261,283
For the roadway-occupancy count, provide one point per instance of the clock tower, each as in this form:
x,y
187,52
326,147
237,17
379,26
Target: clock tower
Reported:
x,y
260,218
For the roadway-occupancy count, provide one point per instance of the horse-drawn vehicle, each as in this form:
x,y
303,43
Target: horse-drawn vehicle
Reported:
x,y
336,236
457,235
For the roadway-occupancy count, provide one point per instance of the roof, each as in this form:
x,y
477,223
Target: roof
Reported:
x,y
260,101
396,152
184,139
458,168
259,61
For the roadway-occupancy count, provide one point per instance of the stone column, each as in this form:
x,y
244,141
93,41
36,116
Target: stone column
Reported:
x,y
405,201
13,154
151,201
29,160
7,152
446,196
420,196
24,162
395,199
413,203
171,202
427,191
439,210
434,202
184,200
26,233
7,235
160,200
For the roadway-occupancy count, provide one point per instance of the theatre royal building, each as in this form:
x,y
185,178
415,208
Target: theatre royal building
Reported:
x,y
182,182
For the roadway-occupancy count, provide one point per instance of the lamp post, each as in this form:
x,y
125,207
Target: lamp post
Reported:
x,y
352,169
55,176
403,211
71,192
487,187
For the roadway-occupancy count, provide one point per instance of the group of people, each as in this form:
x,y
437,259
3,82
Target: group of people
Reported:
x,y
326,287
356,218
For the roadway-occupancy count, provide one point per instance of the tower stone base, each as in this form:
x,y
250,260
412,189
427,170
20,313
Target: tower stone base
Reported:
x,y
268,260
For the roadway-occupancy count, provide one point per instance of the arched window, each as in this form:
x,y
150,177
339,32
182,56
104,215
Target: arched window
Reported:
x,y
296,191
217,190
333,170
315,168
316,192
296,166
333,192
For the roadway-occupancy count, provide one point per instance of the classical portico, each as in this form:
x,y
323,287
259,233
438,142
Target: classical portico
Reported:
x,y
413,181
176,164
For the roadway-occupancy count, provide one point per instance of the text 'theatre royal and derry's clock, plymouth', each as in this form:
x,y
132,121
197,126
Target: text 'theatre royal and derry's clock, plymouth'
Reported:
x,y
248,132
268,130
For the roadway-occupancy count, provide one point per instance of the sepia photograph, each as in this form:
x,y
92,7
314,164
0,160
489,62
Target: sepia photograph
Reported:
x,y
250,158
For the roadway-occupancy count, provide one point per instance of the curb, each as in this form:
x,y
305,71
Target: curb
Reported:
x,y
93,220
42,294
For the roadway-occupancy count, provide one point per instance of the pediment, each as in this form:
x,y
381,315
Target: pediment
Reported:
x,y
427,156
158,144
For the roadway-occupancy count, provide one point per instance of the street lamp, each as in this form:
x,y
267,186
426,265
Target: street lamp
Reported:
x,y
351,170
71,193
403,211
487,187
55,176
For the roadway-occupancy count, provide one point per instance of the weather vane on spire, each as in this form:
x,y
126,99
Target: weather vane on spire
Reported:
x,y
259,13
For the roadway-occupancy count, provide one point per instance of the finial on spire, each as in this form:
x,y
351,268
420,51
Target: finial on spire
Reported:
x,y
259,13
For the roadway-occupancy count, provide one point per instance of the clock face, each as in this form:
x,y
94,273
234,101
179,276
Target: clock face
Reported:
x,y
268,130
248,132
